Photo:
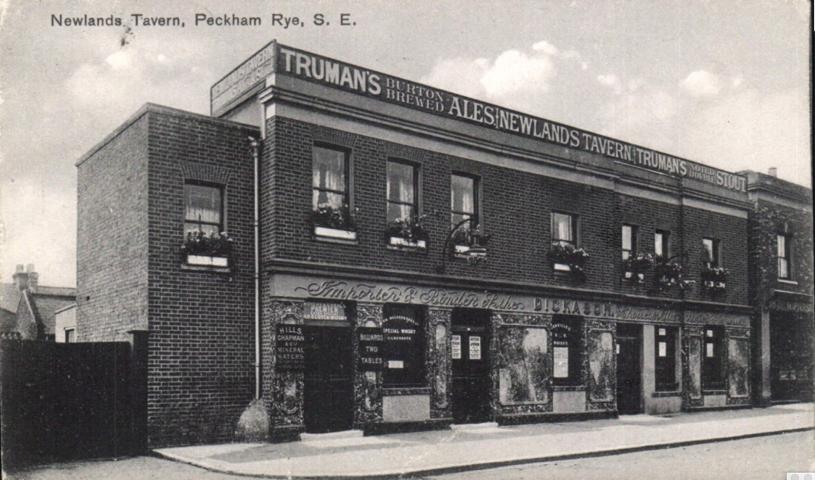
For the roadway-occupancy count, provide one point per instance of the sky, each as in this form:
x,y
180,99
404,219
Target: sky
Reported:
x,y
724,83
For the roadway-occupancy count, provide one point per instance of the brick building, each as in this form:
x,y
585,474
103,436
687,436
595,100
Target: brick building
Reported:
x,y
423,259
781,288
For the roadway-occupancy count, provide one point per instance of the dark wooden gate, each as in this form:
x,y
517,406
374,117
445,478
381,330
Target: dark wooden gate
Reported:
x,y
68,401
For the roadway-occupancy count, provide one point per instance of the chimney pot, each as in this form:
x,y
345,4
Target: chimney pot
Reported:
x,y
773,172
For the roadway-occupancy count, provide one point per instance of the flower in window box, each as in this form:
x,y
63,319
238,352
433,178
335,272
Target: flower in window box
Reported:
x,y
636,265
407,231
465,239
714,279
329,218
567,254
202,249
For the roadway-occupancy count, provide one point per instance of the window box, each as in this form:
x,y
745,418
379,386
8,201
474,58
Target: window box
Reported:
x,y
207,261
470,243
407,232
635,266
403,242
337,233
207,251
714,279
565,257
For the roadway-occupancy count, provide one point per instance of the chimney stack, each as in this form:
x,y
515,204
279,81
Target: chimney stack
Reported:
x,y
33,277
773,172
20,277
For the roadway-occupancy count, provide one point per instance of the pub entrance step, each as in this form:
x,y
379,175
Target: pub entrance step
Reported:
x,y
316,437
474,426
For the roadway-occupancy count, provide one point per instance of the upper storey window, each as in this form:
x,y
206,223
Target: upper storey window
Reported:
x,y
661,244
402,190
783,254
712,254
564,229
203,209
464,200
329,178
629,234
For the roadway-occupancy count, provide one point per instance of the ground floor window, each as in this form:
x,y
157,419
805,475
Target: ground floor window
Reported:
x,y
403,346
568,346
713,359
665,359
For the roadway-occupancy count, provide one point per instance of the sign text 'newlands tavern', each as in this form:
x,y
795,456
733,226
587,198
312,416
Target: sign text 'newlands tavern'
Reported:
x,y
391,89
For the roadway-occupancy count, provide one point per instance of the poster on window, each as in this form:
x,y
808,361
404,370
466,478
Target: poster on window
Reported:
x,y
475,347
709,350
561,362
663,349
289,353
455,346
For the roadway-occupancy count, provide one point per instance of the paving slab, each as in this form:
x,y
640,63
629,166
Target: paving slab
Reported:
x,y
435,452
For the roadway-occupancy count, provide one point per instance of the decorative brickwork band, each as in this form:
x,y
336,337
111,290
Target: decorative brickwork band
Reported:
x,y
205,173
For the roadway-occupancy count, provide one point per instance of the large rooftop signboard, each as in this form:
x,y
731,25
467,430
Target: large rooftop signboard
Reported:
x,y
316,68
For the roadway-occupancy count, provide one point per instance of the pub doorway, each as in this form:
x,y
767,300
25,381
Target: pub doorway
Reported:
x,y
629,368
328,381
470,342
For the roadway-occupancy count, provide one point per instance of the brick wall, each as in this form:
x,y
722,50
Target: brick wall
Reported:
x,y
767,220
515,206
201,344
112,237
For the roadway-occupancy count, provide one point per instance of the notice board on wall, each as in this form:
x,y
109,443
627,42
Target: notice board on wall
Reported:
x,y
289,347
370,348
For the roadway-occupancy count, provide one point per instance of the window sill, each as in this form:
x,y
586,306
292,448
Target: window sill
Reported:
x,y
714,391
204,268
569,388
562,268
335,235
787,281
399,243
666,393
397,391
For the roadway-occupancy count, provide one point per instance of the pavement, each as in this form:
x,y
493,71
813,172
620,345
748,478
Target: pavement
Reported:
x,y
475,447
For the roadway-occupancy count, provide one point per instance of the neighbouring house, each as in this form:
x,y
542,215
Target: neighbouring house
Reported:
x,y
28,309
65,324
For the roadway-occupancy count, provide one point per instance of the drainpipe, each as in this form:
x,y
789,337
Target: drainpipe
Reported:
x,y
256,272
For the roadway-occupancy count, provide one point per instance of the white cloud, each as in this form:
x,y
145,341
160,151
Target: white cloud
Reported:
x,y
545,47
514,77
513,71
611,81
701,83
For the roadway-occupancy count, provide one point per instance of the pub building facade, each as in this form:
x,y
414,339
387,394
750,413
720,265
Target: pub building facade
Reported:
x,y
423,259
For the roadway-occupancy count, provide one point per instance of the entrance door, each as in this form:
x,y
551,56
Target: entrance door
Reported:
x,y
471,366
629,370
328,390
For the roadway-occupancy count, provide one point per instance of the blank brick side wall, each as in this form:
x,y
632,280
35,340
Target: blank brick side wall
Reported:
x,y
112,238
201,322
516,208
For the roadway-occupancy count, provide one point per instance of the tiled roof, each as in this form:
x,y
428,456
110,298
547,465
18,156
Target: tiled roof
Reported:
x,y
47,305
9,297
